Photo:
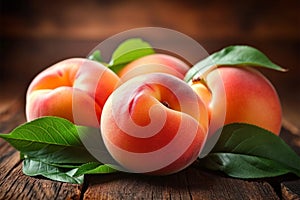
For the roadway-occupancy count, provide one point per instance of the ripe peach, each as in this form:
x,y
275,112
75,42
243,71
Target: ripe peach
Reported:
x,y
249,98
161,63
154,123
75,89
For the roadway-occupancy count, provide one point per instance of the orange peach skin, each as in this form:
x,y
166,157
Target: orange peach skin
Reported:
x,y
75,89
250,98
154,124
154,63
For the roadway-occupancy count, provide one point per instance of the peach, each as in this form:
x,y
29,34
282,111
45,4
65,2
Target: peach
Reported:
x,y
154,123
249,98
75,89
161,63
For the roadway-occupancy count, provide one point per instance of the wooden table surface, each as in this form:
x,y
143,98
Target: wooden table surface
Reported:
x,y
36,34
191,183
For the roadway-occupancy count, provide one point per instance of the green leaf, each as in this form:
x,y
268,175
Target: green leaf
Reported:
x,y
52,147
248,151
244,166
94,168
33,167
96,56
129,51
64,173
233,55
50,139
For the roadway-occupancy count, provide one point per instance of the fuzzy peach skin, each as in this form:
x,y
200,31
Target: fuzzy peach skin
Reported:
x,y
75,89
155,124
154,63
249,98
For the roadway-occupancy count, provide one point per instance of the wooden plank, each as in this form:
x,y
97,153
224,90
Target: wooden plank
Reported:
x,y
191,183
11,107
15,185
290,189
100,19
8,160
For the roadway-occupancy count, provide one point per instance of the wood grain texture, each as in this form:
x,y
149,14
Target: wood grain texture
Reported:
x,y
101,19
15,185
291,190
191,183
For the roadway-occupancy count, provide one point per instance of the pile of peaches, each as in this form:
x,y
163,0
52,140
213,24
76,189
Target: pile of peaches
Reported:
x,y
151,119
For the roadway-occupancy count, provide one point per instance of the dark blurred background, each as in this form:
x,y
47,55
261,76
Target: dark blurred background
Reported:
x,y
36,34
